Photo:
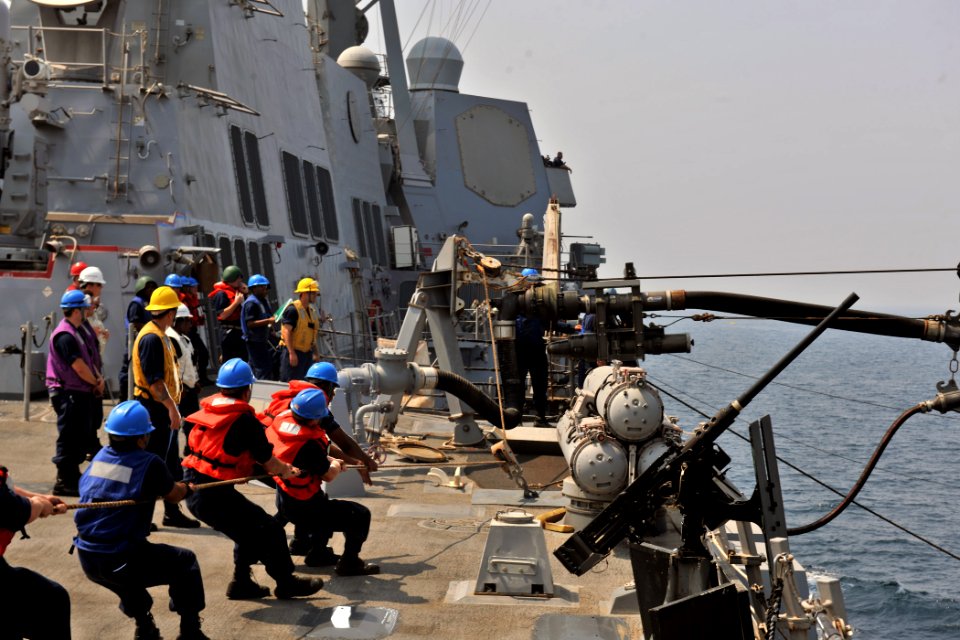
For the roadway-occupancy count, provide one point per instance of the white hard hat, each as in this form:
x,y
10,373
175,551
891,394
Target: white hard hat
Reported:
x,y
93,275
183,312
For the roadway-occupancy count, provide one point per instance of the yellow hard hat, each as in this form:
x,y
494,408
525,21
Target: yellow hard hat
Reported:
x,y
163,298
307,285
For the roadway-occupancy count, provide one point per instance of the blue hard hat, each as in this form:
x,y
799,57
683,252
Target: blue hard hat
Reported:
x,y
257,280
129,418
310,404
234,374
189,281
75,299
529,271
173,280
323,371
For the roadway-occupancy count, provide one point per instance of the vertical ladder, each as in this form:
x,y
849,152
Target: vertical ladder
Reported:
x,y
120,141
159,30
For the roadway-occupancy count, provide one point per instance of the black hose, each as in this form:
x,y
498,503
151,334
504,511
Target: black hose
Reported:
x,y
862,480
477,399
810,314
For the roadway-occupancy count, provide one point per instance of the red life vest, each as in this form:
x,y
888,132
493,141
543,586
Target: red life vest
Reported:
x,y
211,425
280,401
231,294
193,305
288,437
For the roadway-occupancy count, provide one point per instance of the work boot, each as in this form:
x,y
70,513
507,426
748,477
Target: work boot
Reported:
x,y
66,487
300,547
190,628
146,628
321,557
297,586
173,517
245,588
356,567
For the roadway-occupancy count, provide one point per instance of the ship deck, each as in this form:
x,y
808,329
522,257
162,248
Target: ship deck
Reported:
x,y
428,541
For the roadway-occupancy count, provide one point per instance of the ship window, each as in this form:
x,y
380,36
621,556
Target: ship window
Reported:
x,y
252,148
226,252
329,209
207,240
377,228
313,199
266,255
240,256
254,255
294,185
358,223
240,170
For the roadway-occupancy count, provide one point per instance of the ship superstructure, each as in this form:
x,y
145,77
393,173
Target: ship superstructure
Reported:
x,y
148,136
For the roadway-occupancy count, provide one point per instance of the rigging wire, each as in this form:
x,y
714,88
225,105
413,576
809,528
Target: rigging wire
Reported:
x,y
798,388
823,484
807,444
796,273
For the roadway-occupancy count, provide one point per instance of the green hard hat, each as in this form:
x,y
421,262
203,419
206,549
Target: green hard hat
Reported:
x,y
231,273
142,283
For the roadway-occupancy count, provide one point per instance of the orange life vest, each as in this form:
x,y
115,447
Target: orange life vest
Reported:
x,y
280,401
231,294
211,425
288,437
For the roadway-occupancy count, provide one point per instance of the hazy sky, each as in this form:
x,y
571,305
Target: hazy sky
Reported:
x,y
739,136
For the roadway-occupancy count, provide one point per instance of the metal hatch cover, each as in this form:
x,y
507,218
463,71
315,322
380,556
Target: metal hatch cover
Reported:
x,y
355,623
563,627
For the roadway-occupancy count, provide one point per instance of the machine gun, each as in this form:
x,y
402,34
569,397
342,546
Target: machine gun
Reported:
x,y
632,510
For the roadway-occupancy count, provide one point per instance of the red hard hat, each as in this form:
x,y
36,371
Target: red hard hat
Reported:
x,y
77,268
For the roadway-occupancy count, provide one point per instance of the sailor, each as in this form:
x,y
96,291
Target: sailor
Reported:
x,y
559,162
75,270
156,384
299,439
299,328
189,297
112,542
91,283
323,376
136,317
532,354
74,382
227,296
587,325
255,321
31,606
226,443
187,362
174,281
93,317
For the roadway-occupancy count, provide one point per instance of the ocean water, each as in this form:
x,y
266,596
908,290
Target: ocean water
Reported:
x,y
830,409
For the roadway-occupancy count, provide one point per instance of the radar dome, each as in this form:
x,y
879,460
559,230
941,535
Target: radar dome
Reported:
x,y
362,63
435,63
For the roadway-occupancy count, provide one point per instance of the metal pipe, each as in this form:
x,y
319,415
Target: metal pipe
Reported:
x,y
131,337
358,427
27,353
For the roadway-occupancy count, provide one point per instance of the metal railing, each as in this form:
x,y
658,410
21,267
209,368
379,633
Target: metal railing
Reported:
x,y
65,69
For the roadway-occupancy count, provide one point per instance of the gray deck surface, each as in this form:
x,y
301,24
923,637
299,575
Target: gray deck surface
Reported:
x,y
438,544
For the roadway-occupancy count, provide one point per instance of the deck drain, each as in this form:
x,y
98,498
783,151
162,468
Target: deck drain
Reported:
x,y
459,526
355,623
